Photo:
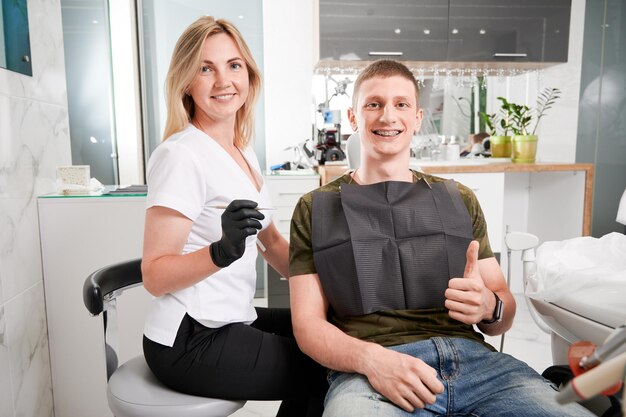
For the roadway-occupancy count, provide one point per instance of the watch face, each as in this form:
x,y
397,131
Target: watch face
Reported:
x,y
497,314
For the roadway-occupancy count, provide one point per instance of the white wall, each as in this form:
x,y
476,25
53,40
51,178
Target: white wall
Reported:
x,y
34,139
288,47
557,140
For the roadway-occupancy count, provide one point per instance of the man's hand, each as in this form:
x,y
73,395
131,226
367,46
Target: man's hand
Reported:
x,y
467,298
404,380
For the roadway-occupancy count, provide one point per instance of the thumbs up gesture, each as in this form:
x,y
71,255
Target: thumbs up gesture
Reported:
x,y
467,298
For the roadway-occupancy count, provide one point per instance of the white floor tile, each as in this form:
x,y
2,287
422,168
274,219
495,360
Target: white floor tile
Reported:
x,y
525,340
258,409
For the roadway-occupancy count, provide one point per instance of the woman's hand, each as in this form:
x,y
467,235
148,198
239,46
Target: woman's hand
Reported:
x,y
239,220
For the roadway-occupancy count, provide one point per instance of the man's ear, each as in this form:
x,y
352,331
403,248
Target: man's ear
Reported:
x,y
418,120
352,119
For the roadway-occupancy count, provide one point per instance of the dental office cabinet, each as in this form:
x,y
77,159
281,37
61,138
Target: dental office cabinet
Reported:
x,y
285,191
80,234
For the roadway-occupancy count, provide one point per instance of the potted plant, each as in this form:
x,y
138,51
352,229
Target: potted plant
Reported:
x,y
498,126
524,139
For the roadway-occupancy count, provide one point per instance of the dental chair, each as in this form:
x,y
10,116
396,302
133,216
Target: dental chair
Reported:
x,y
132,389
353,151
594,313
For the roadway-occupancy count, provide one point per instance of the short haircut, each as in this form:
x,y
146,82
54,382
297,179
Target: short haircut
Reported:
x,y
383,68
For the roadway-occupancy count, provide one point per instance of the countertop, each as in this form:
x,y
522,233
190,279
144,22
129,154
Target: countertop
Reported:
x,y
107,191
495,165
488,165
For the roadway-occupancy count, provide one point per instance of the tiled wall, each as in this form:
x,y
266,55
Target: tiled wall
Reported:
x,y
34,139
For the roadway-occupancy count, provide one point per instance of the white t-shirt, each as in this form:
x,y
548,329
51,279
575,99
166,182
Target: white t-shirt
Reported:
x,y
190,172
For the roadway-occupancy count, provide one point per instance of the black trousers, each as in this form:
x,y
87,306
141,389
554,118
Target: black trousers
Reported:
x,y
239,362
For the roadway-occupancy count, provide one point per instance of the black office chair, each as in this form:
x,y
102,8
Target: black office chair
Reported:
x,y
132,389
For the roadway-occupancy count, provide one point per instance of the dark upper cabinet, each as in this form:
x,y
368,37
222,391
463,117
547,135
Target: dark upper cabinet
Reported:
x,y
412,30
445,30
509,30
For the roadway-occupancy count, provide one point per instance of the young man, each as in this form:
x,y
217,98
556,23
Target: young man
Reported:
x,y
390,271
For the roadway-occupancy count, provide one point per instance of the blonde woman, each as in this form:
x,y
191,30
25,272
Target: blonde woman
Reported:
x,y
204,222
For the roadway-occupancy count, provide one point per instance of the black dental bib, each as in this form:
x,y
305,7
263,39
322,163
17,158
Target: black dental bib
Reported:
x,y
389,246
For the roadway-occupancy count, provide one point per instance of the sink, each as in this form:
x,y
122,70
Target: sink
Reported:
x,y
293,172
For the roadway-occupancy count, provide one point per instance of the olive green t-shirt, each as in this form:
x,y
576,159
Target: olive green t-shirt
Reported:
x,y
389,327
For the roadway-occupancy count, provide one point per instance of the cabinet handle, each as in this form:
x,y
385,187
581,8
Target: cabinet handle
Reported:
x,y
509,55
374,53
282,279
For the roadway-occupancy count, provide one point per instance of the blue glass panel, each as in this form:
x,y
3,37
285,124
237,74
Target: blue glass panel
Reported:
x,y
14,37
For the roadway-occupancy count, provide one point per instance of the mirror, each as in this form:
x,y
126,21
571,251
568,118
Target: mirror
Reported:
x,y
451,102
14,37
450,107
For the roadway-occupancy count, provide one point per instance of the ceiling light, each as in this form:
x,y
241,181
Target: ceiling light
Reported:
x,y
240,16
455,31
482,31
397,30
93,140
426,31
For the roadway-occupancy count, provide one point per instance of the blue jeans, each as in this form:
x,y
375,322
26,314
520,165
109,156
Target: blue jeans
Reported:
x,y
477,381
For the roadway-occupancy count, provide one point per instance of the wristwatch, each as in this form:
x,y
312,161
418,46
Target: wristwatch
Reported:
x,y
497,311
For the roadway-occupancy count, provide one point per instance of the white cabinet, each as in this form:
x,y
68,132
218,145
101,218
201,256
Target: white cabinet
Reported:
x,y
489,190
78,236
285,191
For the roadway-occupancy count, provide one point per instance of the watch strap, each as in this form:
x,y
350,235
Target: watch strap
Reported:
x,y
497,311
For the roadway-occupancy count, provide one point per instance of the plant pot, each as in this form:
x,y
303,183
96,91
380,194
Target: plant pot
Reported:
x,y
501,146
524,149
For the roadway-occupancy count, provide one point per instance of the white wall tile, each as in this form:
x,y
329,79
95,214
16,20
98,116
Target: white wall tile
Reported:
x,y
34,139
6,397
26,338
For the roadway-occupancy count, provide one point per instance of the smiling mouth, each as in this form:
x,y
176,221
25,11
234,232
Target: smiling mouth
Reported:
x,y
387,133
223,96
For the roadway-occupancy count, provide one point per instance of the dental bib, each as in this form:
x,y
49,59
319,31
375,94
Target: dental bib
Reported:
x,y
389,246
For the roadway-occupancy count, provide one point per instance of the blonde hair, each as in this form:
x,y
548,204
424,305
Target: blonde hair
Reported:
x,y
185,65
384,68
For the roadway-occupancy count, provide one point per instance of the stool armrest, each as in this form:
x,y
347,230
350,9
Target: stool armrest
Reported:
x,y
105,281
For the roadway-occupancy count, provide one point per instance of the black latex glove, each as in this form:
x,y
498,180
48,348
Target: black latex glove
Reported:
x,y
239,221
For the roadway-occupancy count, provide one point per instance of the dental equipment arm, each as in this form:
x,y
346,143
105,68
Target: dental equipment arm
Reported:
x,y
592,382
614,345
526,242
